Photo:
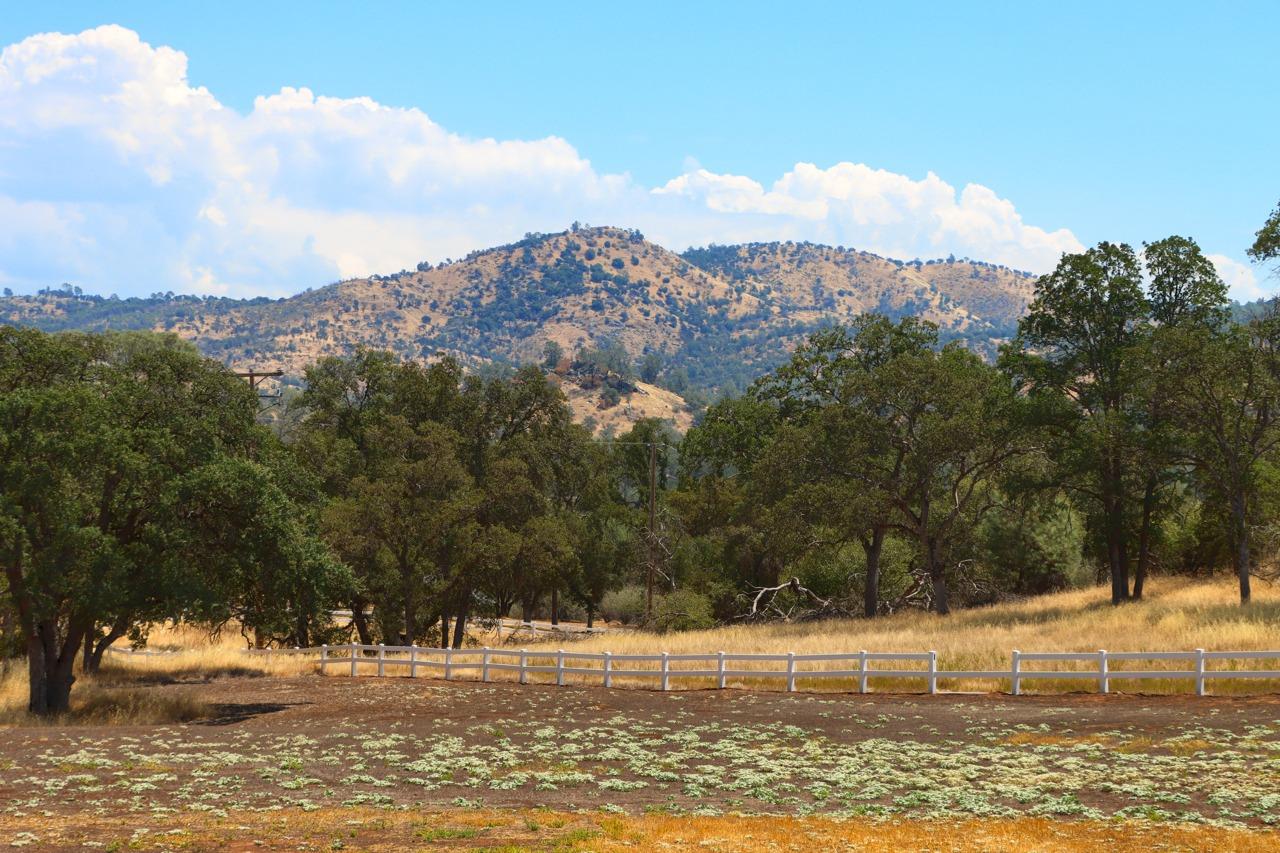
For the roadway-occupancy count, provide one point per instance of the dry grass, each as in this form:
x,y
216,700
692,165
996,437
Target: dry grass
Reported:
x,y
97,702
121,694
539,830
1177,615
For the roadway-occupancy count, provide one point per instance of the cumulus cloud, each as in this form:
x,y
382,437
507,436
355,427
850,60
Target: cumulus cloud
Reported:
x,y
118,174
1242,283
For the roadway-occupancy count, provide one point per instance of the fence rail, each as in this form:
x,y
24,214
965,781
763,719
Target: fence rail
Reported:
x,y
862,667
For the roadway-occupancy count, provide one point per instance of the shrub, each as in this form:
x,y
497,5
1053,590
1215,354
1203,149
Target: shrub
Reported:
x,y
682,610
625,605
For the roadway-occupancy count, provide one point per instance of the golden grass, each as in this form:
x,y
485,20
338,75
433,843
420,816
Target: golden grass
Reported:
x,y
120,693
540,830
96,702
1177,615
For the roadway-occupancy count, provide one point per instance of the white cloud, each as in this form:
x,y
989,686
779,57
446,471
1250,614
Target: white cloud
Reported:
x,y
1242,282
118,174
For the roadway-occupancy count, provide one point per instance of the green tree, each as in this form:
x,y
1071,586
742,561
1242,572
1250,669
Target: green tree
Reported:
x,y
1227,395
1266,245
109,447
1074,354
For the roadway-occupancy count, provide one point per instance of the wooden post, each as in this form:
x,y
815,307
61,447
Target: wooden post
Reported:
x,y
720,678
933,672
862,671
448,663
413,661
1199,672
791,672
382,659
524,673
1015,674
666,669
324,657
354,659
484,665
608,669
560,667
1104,683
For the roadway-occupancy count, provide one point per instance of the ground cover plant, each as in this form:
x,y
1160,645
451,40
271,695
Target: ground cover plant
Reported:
x,y
405,748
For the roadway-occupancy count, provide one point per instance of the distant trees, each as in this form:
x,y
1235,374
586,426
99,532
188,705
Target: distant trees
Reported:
x,y
443,488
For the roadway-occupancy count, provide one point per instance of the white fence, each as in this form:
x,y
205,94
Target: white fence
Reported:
x,y
719,667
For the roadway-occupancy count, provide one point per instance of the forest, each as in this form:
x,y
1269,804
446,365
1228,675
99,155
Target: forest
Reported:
x,y
1128,430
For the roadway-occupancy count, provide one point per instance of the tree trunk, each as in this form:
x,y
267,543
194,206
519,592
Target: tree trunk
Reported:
x,y
1144,537
871,590
555,607
591,614
1240,518
410,624
1112,509
941,605
526,611
93,659
361,622
444,630
51,668
460,626
87,661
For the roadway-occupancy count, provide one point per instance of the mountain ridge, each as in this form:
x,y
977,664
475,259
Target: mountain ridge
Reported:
x,y
714,316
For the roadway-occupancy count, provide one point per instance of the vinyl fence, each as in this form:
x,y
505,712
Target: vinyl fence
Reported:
x,y
1100,668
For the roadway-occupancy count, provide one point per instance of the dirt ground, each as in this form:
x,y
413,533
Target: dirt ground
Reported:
x,y
416,757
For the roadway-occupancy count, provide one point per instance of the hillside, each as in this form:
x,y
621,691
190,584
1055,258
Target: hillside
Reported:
x,y
717,316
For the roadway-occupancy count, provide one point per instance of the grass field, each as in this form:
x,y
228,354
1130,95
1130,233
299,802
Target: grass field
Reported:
x,y
1177,615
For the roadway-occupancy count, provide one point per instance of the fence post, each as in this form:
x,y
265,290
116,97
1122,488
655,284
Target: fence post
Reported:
x,y
484,665
720,677
448,663
1015,686
791,672
608,669
666,669
1199,672
560,667
524,673
1104,683
862,671
324,657
354,659
382,659
413,661
933,672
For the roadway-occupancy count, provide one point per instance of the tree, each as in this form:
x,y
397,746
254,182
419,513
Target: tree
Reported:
x,y
650,367
1184,291
109,445
415,509
552,353
1266,245
1073,353
1227,394
954,422
843,467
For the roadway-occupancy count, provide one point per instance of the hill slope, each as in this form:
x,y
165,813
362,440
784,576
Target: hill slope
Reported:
x,y
718,316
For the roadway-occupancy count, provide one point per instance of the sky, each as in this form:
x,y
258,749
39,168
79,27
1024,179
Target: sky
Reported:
x,y
260,149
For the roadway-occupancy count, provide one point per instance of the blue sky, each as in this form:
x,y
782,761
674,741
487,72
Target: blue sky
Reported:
x,y
1077,122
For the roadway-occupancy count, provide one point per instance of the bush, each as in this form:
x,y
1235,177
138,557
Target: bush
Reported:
x,y
682,610
625,605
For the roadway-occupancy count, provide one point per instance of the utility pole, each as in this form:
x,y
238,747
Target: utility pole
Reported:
x,y
255,378
653,528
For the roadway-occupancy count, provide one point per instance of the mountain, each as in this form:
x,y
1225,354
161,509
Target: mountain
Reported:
x,y
717,316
